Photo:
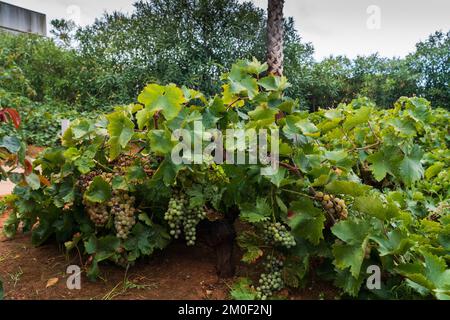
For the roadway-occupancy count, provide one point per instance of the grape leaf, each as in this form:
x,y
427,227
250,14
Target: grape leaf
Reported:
x,y
411,169
347,187
360,116
434,169
10,143
98,191
167,99
307,221
121,130
160,141
241,290
375,207
255,213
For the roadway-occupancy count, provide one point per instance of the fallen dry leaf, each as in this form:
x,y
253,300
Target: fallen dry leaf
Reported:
x,y
52,282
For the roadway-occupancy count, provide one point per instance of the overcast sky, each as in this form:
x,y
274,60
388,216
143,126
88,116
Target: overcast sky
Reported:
x,y
349,27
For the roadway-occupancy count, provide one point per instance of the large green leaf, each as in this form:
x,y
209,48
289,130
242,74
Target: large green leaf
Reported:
x,y
434,169
347,187
242,290
273,83
160,141
394,242
383,162
360,116
10,143
411,169
121,130
374,206
350,254
99,190
166,99
258,212
308,221
33,181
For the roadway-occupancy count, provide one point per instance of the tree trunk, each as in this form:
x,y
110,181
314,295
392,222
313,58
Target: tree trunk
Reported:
x,y
275,36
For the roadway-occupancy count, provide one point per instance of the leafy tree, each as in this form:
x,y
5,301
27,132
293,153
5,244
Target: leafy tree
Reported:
x,y
182,41
431,62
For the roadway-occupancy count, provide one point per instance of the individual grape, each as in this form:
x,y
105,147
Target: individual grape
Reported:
x,y
275,233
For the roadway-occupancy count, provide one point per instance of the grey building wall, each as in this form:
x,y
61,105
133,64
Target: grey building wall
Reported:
x,y
19,20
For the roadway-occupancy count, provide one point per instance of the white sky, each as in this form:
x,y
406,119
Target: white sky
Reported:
x,y
333,26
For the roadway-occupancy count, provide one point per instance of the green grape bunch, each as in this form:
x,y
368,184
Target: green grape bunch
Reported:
x,y
123,209
276,233
174,214
194,216
271,280
182,218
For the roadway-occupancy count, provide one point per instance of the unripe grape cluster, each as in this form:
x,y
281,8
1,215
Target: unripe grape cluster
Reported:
x,y
335,207
179,216
276,233
122,207
193,217
217,174
271,280
174,214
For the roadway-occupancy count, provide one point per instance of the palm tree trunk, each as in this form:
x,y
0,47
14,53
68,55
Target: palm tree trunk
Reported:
x,y
275,36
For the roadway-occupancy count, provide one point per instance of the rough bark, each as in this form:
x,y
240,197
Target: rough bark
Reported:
x,y
275,36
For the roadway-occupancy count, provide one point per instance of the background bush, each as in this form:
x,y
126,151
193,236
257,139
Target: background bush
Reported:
x,y
190,43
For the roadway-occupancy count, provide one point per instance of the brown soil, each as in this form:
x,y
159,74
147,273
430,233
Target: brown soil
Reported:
x,y
179,272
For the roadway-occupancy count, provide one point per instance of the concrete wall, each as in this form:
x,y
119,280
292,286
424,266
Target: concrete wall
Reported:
x,y
19,20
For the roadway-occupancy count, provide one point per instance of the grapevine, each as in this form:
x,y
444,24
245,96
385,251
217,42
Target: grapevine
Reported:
x,y
382,175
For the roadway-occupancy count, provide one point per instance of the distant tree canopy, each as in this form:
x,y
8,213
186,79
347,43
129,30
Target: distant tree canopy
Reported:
x,y
187,42
431,64
190,42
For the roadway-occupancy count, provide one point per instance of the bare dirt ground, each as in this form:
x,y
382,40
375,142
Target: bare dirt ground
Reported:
x,y
179,272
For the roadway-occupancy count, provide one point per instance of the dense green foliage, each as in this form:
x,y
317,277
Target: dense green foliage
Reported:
x,y
357,186
22,60
191,42
87,70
